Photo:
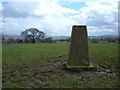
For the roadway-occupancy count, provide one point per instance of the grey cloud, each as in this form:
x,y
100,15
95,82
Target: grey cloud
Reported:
x,y
99,19
97,22
103,22
115,15
18,10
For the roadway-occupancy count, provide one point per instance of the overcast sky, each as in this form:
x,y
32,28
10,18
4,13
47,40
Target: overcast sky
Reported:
x,y
56,17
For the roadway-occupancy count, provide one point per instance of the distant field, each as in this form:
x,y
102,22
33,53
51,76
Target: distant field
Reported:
x,y
41,65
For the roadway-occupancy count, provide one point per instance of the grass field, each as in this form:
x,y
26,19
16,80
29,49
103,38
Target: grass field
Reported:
x,y
42,66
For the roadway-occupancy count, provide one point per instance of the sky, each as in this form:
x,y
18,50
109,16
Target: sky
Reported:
x,y
56,17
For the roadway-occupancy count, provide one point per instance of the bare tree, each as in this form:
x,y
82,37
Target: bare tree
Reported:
x,y
32,34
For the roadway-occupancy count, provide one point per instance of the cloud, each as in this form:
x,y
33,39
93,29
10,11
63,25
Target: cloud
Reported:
x,y
50,25
18,10
50,17
24,10
100,14
53,9
55,19
1,7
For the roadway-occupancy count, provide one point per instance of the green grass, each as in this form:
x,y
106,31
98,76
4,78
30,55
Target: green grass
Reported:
x,y
37,65
104,53
26,52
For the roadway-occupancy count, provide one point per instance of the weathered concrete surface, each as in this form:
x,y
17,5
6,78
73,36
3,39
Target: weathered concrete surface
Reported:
x,y
79,55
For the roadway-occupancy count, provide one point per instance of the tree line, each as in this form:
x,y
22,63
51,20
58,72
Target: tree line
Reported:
x,y
33,35
30,35
105,40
